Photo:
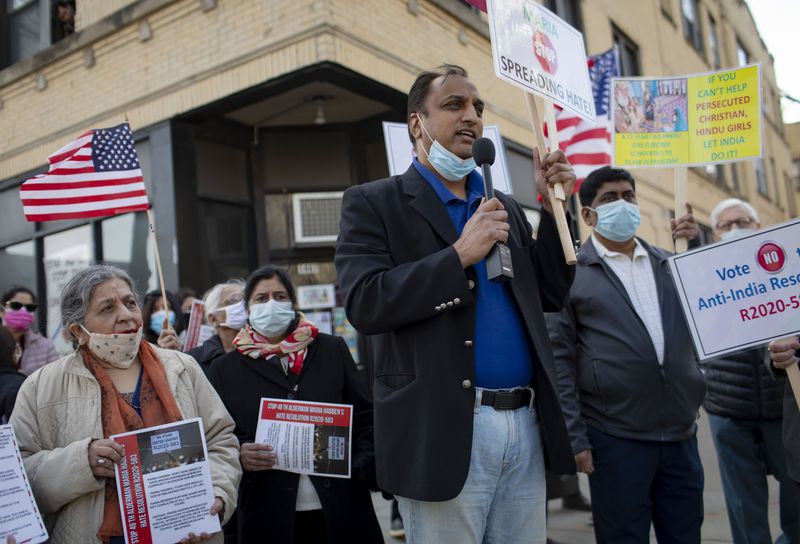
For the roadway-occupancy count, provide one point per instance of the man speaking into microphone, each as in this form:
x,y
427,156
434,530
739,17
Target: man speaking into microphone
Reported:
x,y
466,410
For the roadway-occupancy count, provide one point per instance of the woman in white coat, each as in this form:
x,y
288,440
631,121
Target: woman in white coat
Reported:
x,y
114,383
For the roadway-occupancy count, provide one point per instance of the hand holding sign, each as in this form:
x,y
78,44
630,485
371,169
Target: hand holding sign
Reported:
x,y
550,171
168,339
685,226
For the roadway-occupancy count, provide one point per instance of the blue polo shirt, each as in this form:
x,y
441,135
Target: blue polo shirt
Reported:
x,y
503,354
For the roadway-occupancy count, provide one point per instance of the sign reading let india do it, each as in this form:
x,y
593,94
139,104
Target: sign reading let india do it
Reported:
x,y
742,293
691,120
535,50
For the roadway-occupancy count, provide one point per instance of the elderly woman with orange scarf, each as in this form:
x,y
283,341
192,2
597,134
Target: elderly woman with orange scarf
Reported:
x,y
114,383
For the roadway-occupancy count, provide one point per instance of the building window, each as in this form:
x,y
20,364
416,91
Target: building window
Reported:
x,y
742,56
28,26
787,182
761,177
735,178
713,43
691,23
716,172
569,10
628,53
65,254
777,183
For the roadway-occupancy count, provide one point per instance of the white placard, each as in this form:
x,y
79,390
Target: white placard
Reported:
x,y
164,483
19,516
742,293
316,297
535,50
400,153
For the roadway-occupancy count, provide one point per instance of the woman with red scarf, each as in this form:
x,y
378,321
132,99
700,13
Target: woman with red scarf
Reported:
x,y
279,354
113,383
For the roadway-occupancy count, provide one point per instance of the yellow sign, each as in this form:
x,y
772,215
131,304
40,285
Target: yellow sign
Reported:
x,y
693,120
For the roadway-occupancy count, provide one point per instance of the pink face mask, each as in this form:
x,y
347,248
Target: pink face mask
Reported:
x,y
18,320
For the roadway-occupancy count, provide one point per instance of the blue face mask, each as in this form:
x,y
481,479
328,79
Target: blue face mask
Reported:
x,y
618,220
271,319
157,320
449,165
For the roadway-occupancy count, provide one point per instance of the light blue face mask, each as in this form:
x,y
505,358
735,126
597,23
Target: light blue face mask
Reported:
x,y
618,220
271,319
157,320
449,165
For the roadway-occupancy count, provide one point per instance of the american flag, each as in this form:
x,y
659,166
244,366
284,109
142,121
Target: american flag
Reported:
x,y
96,175
588,145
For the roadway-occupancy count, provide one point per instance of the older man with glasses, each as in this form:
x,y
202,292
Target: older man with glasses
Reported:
x,y
744,405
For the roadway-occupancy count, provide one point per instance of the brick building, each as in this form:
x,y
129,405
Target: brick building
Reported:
x,y
252,116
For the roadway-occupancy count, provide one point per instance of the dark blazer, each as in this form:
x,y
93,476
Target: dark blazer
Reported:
x,y
267,498
206,353
402,282
609,375
10,382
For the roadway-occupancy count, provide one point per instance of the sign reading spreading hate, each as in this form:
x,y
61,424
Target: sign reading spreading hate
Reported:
x,y
742,293
535,50
707,118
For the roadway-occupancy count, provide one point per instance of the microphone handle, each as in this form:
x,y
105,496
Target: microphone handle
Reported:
x,y
488,187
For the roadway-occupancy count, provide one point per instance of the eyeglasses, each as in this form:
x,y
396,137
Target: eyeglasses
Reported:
x,y
741,223
14,305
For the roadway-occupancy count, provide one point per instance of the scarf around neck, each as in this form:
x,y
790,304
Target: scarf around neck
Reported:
x,y
252,344
158,407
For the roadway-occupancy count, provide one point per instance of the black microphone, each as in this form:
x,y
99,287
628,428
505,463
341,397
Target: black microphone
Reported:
x,y
498,261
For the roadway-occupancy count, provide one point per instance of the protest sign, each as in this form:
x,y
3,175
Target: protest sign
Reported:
x,y
193,329
692,120
164,483
742,293
400,153
535,50
19,516
307,437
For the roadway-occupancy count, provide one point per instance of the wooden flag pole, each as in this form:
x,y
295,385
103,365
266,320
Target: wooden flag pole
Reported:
x,y
681,244
164,300
552,192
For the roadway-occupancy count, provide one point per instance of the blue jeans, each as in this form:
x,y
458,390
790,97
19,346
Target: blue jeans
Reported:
x,y
503,498
747,451
637,483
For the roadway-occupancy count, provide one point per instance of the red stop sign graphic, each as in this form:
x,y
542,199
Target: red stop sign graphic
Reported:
x,y
545,52
771,257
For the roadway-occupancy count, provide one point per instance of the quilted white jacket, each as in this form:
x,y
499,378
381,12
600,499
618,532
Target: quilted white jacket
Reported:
x,y
57,414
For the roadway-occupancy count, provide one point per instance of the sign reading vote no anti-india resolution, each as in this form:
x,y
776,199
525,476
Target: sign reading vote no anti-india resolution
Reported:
x,y
535,50
706,118
742,293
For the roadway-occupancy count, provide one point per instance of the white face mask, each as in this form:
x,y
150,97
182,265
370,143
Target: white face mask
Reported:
x,y
272,318
235,315
735,233
118,349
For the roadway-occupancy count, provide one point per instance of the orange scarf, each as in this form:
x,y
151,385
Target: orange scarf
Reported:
x,y
158,407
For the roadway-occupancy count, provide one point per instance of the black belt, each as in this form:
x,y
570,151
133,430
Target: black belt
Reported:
x,y
506,400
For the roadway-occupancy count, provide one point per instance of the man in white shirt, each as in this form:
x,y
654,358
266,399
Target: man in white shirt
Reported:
x,y
629,383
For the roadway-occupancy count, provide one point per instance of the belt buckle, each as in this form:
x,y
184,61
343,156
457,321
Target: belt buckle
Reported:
x,y
505,400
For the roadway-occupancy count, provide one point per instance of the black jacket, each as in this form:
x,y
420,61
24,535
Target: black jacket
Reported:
x,y
609,375
267,498
10,382
740,386
403,282
207,352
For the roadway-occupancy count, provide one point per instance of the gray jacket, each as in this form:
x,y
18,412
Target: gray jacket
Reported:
x,y
608,371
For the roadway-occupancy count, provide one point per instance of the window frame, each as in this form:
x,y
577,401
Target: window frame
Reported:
x,y
623,42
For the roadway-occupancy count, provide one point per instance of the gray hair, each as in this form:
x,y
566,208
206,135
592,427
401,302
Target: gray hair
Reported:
x,y
212,297
730,203
78,292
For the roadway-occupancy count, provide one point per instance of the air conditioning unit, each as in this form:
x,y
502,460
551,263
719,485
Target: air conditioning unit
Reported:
x,y
316,217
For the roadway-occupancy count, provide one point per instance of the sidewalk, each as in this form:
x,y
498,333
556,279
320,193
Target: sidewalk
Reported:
x,y
568,527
